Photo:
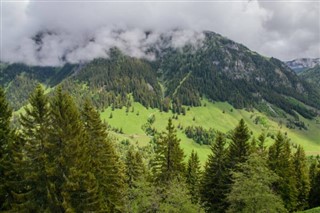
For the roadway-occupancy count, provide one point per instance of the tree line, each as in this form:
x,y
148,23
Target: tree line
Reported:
x,y
61,158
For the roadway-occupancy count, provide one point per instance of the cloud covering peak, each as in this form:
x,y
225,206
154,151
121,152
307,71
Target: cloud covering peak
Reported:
x,y
55,32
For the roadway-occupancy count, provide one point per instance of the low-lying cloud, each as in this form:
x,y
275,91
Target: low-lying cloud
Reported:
x,y
75,31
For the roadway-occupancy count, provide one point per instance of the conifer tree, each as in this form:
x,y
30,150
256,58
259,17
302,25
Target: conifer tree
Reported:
x,y
314,198
6,155
168,163
177,199
251,189
193,175
35,129
239,148
14,189
214,182
261,143
102,159
302,178
280,161
134,166
70,157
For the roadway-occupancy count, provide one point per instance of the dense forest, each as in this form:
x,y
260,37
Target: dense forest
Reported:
x,y
60,157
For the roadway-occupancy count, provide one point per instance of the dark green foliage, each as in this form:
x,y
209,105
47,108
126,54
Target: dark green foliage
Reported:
x,y
20,80
200,135
177,199
226,71
302,178
168,162
214,182
251,189
261,143
6,153
280,161
134,167
312,75
314,198
71,177
35,130
239,148
193,176
19,89
102,159
123,75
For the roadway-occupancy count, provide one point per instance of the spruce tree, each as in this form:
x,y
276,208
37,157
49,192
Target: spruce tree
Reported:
x,y
14,189
134,167
6,141
214,182
261,143
280,161
102,158
71,175
35,129
314,198
168,162
251,189
239,148
302,178
177,199
193,175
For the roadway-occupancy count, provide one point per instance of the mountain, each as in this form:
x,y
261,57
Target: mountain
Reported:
x,y
312,75
301,64
219,69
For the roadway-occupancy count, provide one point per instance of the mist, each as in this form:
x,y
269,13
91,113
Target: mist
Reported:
x,y
48,33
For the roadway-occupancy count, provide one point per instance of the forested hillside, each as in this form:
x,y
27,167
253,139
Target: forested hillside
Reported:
x,y
218,69
312,76
62,158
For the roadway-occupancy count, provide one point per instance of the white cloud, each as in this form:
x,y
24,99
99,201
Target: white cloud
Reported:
x,y
86,30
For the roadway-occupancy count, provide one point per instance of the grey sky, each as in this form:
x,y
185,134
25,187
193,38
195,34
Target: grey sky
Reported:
x,y
284,29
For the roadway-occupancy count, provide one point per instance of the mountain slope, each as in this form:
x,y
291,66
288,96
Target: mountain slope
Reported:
x,y
302,64
226,71
212,85
312,75
218,69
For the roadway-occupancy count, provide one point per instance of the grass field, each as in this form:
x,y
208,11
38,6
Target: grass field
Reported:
x,y
220,116
314,210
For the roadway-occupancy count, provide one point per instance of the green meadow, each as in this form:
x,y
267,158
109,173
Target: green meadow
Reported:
x,y
219,116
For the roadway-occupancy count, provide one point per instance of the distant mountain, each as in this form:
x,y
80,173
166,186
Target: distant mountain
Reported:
x,y
219,70
301,64
312,75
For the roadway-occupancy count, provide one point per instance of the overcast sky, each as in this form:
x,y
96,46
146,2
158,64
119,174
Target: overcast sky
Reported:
x,y
85,29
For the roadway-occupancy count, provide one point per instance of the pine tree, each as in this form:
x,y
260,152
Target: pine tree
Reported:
x,y
103,161
239,148
214,182
193,176
35,129
168,163
252,188
280,161
302,178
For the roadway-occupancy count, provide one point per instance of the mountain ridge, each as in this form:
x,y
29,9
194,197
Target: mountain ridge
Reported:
x,y
301,64
220,69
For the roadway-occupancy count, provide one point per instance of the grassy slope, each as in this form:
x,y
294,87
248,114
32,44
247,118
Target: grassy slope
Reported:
x,y
314,210
207,116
